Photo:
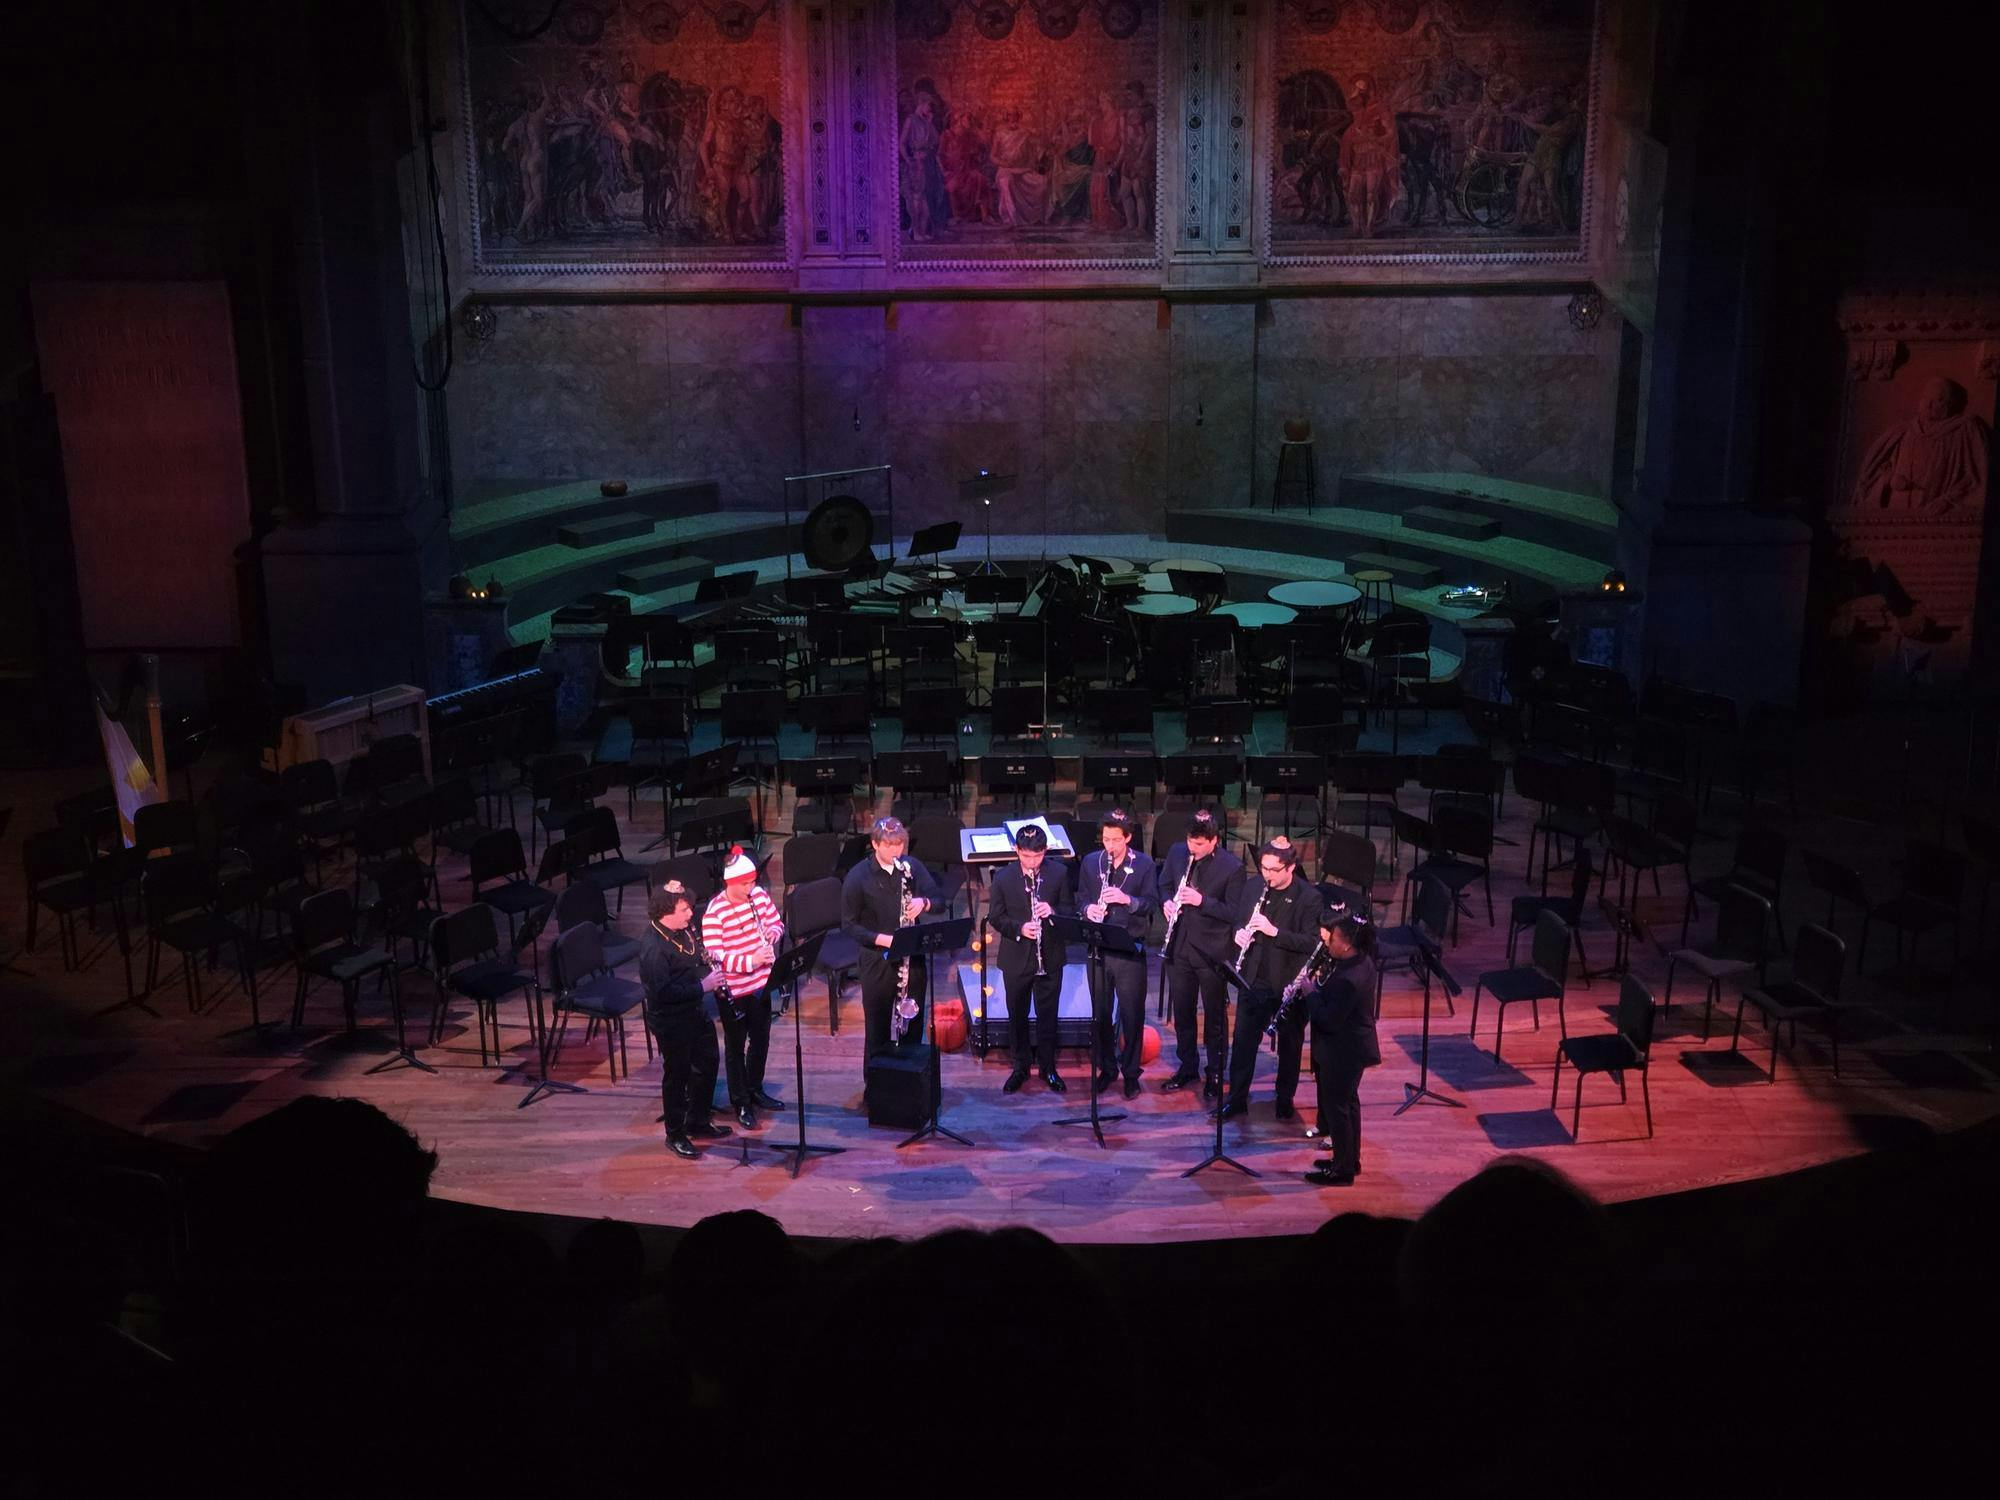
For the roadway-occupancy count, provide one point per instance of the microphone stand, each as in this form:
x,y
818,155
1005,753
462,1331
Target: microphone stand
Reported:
x,y
794,964
1429,962
1216,1154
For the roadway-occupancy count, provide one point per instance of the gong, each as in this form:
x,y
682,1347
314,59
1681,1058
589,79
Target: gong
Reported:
x,y
838,533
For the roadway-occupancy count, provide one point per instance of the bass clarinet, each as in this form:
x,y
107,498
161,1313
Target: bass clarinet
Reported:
x,y
905,1010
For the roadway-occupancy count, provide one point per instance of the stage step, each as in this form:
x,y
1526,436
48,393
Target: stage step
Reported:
x,y
653,578
1409,572
598,530
1561,520
1470,525
493,521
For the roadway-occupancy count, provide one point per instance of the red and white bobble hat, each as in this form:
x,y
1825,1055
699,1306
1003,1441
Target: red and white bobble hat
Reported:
x,y
741,866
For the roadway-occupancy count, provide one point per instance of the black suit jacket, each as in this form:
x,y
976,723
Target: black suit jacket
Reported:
x,y
1139,879
1210,928
672,978
871,902
1007,908
1273,961
1343,1011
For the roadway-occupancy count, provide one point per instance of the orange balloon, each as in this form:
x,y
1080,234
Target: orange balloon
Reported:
x,y
1149,1044
951,1028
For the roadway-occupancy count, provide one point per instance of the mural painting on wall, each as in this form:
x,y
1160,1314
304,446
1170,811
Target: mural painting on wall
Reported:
x,y
1431,127
1908,512
625,133
1027,131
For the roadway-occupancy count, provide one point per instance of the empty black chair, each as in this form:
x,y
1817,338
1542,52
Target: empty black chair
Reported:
x,y
551,780
1761,852
1739,948
1933,889
1626,1050
454,811
1524,910
401,912
325,946
54,865
934,840
1636,851
185,912
601,860
1585,797
1398,947
814,906
1365,789
1295,783
500,877
1465,836
583,902
1545,976
1169,829
1349,859
932,716
583,984
322,818
170,826
810,856
1437,863
1810,993
466,960
839,722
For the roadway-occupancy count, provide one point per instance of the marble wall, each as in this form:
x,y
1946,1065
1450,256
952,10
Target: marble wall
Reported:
x,y
1109,410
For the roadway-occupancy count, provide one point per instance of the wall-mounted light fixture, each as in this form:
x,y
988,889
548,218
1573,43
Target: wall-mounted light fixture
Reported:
x,y
479,320
1586,310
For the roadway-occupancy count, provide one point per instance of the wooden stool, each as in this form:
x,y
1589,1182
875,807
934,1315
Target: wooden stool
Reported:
x,y
1371,582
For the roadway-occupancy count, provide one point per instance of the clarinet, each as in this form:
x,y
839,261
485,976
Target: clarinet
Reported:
x,y
1243,943
1034,895
1310,974
905,1009
1174,916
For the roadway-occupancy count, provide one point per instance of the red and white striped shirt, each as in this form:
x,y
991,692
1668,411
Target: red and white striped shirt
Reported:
x,y
732,931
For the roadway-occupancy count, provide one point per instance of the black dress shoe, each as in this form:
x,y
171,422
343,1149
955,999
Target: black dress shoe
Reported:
x,y
1054,1080
1211,1089
1104,1081
681,1146
1325,1176
1014,1081
764,1101
1131,1088
708,1130
1178,1082
1234,1108
1286,1111
745,1117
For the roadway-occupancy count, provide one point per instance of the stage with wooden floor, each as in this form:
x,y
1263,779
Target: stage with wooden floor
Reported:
x,y
190,1078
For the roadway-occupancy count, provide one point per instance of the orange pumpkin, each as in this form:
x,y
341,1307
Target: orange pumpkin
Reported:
x,y
951,1027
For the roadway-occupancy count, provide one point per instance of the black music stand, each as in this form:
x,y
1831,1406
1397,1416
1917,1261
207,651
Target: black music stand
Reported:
x,y
706,774
925,939
793,965
936,540
1429,961
1234,978
827,776
1100,938
721,588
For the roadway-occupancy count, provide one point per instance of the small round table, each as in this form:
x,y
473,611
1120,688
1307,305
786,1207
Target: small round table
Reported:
x,y
1314,593
1161,604
1250,615
1184,565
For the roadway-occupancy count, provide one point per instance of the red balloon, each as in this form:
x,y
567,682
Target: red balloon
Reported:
x,y
951,1028
1149,1044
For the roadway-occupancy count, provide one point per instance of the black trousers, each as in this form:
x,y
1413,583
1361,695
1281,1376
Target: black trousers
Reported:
x,y
1193,978
689,1061
1339,1072
878,999
1046,994
1254,1010
1119,1043
746,1044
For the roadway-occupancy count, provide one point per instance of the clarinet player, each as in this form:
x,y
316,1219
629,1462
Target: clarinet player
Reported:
x,y
1206,882
871,910
1344,1043
1120,885
680,1007
1025,895
1280,927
